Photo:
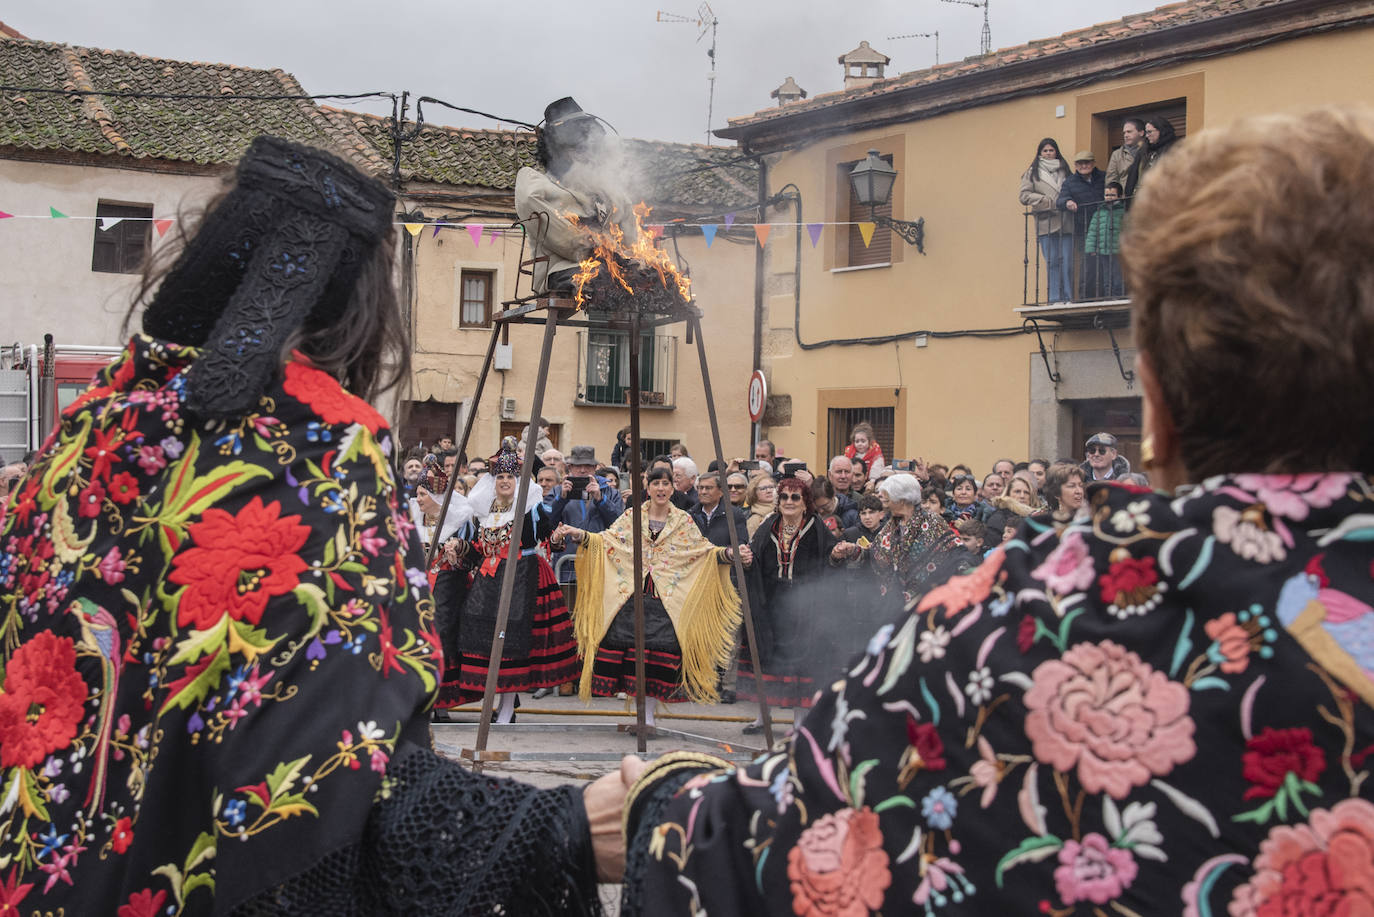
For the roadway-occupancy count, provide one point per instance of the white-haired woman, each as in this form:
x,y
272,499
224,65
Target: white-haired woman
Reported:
x,y
912,549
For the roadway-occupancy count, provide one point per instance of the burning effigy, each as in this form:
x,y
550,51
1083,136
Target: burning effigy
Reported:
x,y
589,241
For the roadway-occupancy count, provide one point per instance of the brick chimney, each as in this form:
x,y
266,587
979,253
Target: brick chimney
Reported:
x,y
789,91
863,66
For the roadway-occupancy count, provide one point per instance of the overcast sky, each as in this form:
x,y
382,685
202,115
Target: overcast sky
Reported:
x,y
512,57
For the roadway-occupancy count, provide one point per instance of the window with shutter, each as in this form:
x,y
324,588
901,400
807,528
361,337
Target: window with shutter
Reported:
x,y
476,299
123,235
879,249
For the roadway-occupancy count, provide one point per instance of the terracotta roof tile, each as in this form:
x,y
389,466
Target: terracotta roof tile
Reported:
x,y
206,132
1164,17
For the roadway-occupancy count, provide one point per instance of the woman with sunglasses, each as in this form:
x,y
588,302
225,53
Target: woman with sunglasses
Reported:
x,y
737,489
791,550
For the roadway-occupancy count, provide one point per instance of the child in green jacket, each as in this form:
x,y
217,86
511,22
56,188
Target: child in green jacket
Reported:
x,y
1103,244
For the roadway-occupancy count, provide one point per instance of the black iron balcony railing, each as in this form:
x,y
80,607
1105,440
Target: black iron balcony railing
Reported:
x,y
1074,256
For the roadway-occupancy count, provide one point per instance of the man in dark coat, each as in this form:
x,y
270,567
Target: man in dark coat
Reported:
x,y
710,513
1081,195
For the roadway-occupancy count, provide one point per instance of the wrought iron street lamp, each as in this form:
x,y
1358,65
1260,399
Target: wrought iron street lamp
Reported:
x,y
872,180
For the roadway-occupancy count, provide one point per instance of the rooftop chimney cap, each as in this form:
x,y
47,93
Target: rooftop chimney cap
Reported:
x,y
864,54
789,91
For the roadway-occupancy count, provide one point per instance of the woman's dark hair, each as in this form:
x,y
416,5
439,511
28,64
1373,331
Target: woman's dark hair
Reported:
x,y
1059,474
797,485
658,473
1035,163
365,345
958,479
822,489
1167,134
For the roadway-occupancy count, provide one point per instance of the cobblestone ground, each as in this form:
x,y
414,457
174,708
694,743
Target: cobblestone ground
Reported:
x,y
558,740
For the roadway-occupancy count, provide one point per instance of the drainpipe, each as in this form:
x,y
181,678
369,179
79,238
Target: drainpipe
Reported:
x,y
758,260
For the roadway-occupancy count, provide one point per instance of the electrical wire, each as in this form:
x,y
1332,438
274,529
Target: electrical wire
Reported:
x,y
235,97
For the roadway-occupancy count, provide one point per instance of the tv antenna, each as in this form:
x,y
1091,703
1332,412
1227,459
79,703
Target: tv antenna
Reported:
x,y
987,29
705,20
935,35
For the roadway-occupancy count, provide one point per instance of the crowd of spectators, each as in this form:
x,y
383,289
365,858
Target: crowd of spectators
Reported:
x,y
1079,211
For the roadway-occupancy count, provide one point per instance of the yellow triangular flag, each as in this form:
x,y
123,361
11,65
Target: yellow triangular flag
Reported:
x,y
761,231
866,231
414,228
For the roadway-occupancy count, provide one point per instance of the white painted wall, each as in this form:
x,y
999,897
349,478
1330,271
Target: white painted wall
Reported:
x,y
46,281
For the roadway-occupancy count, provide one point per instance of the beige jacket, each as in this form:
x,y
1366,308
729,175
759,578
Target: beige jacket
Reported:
x,y
1118,164
1040,194
564,242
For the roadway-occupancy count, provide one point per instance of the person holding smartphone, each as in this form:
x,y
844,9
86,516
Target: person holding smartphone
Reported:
x,y
584,500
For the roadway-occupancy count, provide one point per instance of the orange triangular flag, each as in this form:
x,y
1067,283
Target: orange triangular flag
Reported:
x,y
162,226
761,231
866,231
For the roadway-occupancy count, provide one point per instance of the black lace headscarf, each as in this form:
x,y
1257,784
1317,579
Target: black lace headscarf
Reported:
x,y
280,256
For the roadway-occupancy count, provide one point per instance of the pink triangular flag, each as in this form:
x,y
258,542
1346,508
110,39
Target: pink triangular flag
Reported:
x,y
162,226
761,231
729,220
491,236
6,216
815,230
475,230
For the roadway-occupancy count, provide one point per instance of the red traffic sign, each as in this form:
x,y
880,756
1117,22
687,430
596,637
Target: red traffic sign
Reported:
x,y
758,395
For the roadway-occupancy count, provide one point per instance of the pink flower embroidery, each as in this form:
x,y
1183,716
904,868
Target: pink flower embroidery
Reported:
x,y
1068,568
1093,870
112,567
1325,867
1293,495
839,867
1104,711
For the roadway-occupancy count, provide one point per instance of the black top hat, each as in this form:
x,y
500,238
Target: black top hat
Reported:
x,y
564,111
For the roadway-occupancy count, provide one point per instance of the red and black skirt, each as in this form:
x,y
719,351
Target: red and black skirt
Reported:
x,y
540,649
613,667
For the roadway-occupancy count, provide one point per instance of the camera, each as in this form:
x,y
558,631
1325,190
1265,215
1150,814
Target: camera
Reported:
x,y
579,485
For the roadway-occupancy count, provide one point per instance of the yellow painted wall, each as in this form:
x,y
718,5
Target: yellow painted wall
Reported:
x,y
448,358
967,399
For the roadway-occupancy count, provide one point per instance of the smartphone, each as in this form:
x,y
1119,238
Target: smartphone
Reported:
x,y
749,466
579,485
903,465
793,467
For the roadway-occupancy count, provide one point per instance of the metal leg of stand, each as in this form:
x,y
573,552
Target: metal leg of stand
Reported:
x,y
695,324
498,643
463,441
637,508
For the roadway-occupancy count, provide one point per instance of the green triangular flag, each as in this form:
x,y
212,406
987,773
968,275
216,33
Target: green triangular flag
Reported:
x,y
57,214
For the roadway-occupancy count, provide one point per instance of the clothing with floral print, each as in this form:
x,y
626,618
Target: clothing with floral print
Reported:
x,y
1139,712
214,636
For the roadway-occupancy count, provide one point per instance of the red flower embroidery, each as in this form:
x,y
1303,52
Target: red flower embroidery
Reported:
x,y
123,488
323,394
143,904
12,893
1025,634
102,452
238,563
1324,868
41,701
89,500
925,751
123,835
1130,585
1274,754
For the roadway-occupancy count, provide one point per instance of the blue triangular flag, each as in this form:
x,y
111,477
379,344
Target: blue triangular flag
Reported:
x,y
709,231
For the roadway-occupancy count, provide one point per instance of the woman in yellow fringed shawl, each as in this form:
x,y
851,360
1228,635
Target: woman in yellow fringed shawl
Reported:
x,y
691,609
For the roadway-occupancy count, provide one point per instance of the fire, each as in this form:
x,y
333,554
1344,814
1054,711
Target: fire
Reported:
x,y
609,252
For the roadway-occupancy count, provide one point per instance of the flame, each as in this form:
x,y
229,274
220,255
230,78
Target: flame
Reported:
x,y
608,246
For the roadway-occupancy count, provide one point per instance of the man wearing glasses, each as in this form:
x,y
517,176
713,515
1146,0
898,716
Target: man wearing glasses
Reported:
x,y
1103,464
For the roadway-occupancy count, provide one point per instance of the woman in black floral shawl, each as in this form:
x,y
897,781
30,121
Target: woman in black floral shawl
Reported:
x,y
1163,705
216,632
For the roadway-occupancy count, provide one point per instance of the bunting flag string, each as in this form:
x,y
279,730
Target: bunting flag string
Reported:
x,y
709,231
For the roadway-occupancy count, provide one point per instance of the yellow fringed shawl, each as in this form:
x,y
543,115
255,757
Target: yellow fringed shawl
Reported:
x,y
695,589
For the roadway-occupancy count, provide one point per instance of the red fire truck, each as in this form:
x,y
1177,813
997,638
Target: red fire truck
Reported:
x,y
36,382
